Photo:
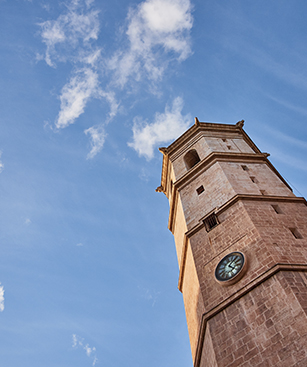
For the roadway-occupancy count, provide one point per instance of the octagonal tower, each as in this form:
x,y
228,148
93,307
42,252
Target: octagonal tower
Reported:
x,y
227,199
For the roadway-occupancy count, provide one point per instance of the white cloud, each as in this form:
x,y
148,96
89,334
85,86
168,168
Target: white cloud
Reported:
x,y
1,164
157,32
78,26
68,38
167,126
153,25
90,351
74,340
27,221
75,94
1,298
167,17
98,136
114,105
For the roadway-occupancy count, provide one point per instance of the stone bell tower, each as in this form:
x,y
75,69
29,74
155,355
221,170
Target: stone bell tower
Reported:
x,y
241,241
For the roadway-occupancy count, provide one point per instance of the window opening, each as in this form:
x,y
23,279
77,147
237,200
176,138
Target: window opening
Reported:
x,y
254,180
191,158
211,222
245,168
263,192
277,209
295,233
200,189
224,140
229,147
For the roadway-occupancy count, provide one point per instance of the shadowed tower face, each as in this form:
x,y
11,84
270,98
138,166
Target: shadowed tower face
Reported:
x,y
240,236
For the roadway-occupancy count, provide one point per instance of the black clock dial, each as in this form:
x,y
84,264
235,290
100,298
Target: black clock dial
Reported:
x,y
229,267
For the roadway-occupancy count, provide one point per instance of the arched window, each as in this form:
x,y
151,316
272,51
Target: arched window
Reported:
x,y
191,158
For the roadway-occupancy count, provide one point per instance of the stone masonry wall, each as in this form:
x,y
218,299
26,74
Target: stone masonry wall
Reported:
x,y
264,179
274,229
193,301
205,145
217,191
224,180
179,230
254,228
266,327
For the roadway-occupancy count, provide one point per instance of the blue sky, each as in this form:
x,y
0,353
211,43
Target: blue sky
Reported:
x,y
89,90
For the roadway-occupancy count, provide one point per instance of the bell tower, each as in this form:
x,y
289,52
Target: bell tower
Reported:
x,y
241,242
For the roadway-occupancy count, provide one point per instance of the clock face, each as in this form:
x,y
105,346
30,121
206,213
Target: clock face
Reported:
x,y
229,267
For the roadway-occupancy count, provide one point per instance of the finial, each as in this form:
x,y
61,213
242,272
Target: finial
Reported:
x,y
240,124
159,189
163,150
197,123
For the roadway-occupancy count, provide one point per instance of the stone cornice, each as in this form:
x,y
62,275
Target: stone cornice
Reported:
x,y
189,135
236,296
182,262
205,164
202,166
214,157
172,210
238,197
212,127
233,200
164,173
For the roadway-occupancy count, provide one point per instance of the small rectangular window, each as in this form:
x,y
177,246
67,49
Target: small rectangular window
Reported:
x,y
245,168
211,222
200,189
263,192
224,140
254,180
229,147
277,209
295,233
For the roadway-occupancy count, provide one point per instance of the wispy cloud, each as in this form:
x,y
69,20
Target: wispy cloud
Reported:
x,y
272,65
165,127
78,342
272,137
70,38
157,32
1,298
97,135
149,295
259,46
155,27
75,95
278,135
290,106
71,33
289,160
114,104
27,221
1,163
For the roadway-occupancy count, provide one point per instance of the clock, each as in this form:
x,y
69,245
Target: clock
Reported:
x,y
230,268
